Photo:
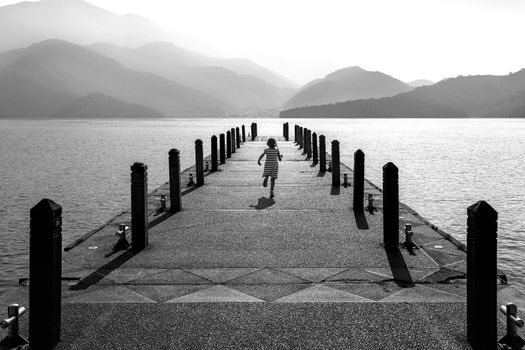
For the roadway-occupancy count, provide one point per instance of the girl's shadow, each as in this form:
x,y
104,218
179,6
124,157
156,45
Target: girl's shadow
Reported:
x,y
263,203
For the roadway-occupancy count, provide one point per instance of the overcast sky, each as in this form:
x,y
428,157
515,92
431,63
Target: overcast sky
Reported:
x,y
307,39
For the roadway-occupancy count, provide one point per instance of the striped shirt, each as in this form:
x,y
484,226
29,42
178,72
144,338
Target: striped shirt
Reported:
x,y
271,165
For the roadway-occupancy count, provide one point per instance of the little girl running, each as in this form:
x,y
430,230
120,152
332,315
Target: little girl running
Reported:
x,y
271,165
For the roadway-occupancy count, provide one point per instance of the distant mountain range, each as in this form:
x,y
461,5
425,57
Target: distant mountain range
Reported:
x,y
464,96
101,106
245,86
44,77
68,58
352,83
128,59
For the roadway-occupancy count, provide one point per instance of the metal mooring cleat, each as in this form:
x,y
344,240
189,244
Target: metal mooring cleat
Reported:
x,y
122,243
409,244
207,167
345,180
190,181
329,167
13,340
162,204
511,341
370,206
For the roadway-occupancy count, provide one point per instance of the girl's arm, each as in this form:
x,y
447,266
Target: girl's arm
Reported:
x,y
261,157
279,155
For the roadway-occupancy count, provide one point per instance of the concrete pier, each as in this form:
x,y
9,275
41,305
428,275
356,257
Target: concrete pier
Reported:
x,y
238,269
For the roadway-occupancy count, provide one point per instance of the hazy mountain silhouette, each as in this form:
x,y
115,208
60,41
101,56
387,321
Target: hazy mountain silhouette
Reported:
x,y
464,96
248,67
346,84
243,92
81,23
420,82
97,105
39,80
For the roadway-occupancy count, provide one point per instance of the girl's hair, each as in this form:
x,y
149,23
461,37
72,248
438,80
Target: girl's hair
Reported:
x,y
271,142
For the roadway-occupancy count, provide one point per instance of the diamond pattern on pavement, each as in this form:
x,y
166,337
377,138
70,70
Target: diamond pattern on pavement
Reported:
x,y
356,275
163,293
321,293
420,293
267,276
313,274
222,275
269,292
172,276
109,294
216,294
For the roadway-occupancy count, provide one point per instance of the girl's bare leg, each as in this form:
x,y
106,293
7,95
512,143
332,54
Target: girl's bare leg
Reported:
x,y
272,187
265,181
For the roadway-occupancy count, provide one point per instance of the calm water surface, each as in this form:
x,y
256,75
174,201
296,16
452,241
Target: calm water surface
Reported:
x,y
445,166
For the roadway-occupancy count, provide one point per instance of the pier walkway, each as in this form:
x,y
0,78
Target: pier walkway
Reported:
x,y
237,269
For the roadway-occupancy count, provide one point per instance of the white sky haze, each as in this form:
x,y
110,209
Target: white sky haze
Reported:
x,y
305,39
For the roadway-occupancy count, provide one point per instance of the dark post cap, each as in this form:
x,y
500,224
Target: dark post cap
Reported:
x,y
390,167
484,209
139,167
214,137
174,151
321,137
45,209
198,141
335,142
358,153
314,134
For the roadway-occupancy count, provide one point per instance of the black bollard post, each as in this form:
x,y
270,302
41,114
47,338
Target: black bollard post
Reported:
x,y
390,205
175,185
243,134
139,206
252,130
199,162
322,154
300,137
255,129
45,274
309,144
222,152
228,144
238,137
305,142
305,145
482,227
336,173
287,132
295,132
314,149
214,153
359,180
232,133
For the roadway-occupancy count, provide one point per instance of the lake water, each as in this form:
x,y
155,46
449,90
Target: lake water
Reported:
x,y
445,165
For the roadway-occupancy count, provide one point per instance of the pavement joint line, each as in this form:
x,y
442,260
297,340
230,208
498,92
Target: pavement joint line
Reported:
x,y
428,256
453,263
428,274
194,274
